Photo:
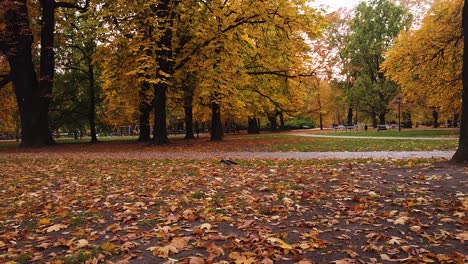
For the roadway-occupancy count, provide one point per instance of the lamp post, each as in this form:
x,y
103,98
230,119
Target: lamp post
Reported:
x,y
398,100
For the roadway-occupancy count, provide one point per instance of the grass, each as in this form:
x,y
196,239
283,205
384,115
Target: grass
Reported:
x,y
283,142
395,133
337,144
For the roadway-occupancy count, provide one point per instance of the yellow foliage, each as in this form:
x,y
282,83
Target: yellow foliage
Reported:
x,y
427,62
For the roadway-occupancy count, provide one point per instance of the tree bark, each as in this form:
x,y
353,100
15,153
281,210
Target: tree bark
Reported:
x,y
382,118
435,116
164,59
462,151
253,127
374,119
350,116
216,126
92,103
16,44
145,112
273,122
47,58
188,111
160,127
281,117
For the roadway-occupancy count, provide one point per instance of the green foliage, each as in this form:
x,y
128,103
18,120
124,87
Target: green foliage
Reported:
x,y
300,122
372,30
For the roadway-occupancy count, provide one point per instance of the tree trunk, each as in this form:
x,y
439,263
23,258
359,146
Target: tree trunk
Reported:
x,y
253,127
321,120
160,127
145,112
462,151
166,69
281,117
47,59
350,116
16,44
188,111
374,119
92,103
273,122
216,126
435,116
382,118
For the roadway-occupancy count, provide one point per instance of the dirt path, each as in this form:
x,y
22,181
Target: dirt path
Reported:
x,y
144,155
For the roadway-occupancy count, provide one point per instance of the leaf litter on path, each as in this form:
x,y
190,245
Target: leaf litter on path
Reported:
x,y
265,211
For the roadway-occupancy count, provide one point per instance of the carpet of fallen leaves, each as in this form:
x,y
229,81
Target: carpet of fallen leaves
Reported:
x,y
271,211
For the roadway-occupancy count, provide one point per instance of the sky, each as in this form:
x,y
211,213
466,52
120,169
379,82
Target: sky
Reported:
x,y
335,4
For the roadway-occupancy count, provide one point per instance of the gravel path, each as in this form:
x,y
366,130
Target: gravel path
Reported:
x,y
233,155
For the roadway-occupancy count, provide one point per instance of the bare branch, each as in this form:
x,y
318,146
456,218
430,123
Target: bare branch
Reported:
x,y
5,80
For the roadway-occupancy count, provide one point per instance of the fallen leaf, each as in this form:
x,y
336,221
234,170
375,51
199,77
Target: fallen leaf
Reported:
x,y
82,243
463,236
55,227
280,243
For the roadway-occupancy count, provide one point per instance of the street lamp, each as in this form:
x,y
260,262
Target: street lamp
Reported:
x,y
398,100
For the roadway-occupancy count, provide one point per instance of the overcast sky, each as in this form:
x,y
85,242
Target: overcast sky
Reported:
x,y
335,4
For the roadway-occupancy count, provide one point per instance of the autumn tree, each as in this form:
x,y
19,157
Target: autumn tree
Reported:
x,y
16,44
375,25
427,62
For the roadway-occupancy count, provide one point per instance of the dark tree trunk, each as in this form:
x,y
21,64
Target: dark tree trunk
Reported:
x,y
92,103
382,118
374,119
321,120
188,111
462,152
253,127
160,127
273,122
350,116
435,116
216,126
145,112
281,117
47,58
15,43
165,72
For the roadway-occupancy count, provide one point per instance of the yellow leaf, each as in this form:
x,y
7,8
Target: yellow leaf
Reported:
x,y
108,246
459,214
45,221
280,243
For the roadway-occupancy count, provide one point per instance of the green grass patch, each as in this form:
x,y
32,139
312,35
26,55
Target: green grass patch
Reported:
x,y
337,144
395,133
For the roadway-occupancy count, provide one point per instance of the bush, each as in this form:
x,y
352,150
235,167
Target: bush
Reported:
x,y
300,122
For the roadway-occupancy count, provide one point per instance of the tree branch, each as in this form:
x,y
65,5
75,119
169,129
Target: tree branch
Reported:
x,y
5,80
70,5
281,73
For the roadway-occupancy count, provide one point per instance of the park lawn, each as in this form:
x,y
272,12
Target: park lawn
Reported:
x,y
432,133
153,211
337,144
247,143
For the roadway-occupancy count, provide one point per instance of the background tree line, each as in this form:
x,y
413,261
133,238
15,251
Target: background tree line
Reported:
x,y
78,64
